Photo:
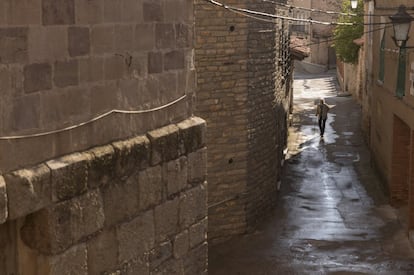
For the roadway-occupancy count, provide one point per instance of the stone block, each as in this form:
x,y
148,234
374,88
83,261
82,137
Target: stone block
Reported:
x,y
160,254
131,11
28,190
3,201
192,134
25,112
13,45
121,201
153,10
102,166
193,206
47,43
66,73
24,12
102,39
170,266
176,10
89,12
181,244
124,37
151,187
155,63
102,252
58,12
112,11
166,219
69,175
197,166
174,60
145,37
54,229
131,155
72,261
136,237
183,35
196,261
164,144
91,69
164,36
105,98
198,233
37,77
176,175
78,41
115,66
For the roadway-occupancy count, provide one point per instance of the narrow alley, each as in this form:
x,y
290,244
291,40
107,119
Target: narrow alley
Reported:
x,y
332,215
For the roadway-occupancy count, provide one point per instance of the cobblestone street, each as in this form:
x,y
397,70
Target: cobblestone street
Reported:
x,y
332,215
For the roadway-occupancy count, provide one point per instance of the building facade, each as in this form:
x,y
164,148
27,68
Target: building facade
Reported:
x,y
244,92
391,106
102,163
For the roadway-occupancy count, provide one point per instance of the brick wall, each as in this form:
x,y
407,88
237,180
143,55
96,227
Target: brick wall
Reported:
x,y
244,100
64,62
136,206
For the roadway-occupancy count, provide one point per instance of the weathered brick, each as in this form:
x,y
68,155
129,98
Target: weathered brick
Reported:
x,y
145,37
155,64
159,255
181,244
197,166
121,201
13,45
24,12
166,219
153,10
37,77
89,12
102,166
74,261
192,134
66,73
131,155
47,43
151,187
78,41
25,112
3,201
66,223
28,190
198,233
58,12
164,36
164,144
102,252
193,206
115,66
174,60
136,237
176,175
69,175
91,69
102,39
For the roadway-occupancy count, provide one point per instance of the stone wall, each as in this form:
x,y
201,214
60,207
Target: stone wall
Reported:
x,y
65,62
242,94
135,206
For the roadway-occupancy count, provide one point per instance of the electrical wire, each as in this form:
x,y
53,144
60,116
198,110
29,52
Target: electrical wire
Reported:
x,y
311,21
99,117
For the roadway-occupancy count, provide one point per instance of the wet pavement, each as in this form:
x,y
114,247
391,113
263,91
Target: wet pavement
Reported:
x,y
332,214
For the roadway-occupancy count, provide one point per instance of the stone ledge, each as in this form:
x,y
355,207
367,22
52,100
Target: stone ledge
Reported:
x,y
66,177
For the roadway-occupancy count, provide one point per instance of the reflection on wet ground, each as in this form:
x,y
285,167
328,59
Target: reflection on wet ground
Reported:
x,y
332,216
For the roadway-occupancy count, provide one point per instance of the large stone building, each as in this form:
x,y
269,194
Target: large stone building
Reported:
x,y
391,104
244,93
102,163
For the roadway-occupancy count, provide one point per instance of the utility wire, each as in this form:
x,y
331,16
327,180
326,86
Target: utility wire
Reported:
x,y
311,21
